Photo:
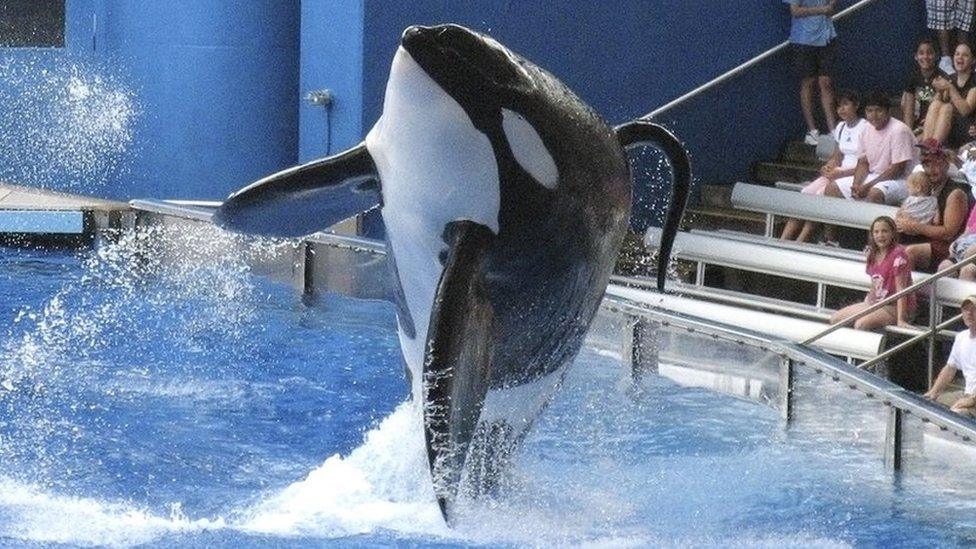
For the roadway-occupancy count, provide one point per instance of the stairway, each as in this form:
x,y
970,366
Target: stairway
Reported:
x,y
797,164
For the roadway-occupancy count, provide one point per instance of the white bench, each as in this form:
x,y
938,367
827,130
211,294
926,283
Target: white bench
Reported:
x,y
824,209
845,342
711,249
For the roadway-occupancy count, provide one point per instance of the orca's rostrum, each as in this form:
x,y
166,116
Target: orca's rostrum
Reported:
x,y
505,200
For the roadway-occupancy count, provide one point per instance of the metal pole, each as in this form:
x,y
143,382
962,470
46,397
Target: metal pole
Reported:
x,y
786,379
933,330
893,297
893,439
743,67
905,344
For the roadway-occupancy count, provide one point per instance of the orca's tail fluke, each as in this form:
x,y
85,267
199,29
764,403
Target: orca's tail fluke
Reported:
x,y
640,133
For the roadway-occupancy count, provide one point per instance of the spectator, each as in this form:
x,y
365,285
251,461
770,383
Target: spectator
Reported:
x,y
890,271
885,156
953,201
920,205
948,117
962,357
963,247
945,16
966,158
841,163
918,93
812,36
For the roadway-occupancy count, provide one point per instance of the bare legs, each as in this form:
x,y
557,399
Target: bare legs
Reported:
x,y
884,316
938,120
920,255
966,273
827,101
808,87
799,230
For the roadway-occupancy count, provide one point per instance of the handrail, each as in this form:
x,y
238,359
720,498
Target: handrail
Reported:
x,y
908,343
741,68
893,297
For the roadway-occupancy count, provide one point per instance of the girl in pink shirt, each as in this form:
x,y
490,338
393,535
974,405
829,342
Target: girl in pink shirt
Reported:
x,y
890,270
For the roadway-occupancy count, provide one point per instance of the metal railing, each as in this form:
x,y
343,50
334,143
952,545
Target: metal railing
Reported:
x,y
743,67
931,333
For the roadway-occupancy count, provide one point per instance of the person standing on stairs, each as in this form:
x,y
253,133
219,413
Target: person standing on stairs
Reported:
x,y
812,44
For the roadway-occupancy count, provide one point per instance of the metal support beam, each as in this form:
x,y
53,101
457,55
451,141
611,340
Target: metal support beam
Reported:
x,y
770,225
645,349
933,332
786,379
307,274
893,439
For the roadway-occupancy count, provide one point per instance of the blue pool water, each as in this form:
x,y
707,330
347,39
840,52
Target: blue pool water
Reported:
x,y
192,403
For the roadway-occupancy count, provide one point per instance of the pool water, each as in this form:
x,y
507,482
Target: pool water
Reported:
x,y
193,403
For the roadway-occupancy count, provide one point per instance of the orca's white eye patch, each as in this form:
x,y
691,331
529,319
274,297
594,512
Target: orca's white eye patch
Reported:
x,y
529,150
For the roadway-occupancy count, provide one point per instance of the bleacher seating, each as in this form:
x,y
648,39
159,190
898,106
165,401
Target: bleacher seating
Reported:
x,y
716,249
846,342
784,203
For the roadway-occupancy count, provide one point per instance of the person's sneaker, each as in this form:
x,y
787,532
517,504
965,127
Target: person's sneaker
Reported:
x,y
946,65
812,138
830,243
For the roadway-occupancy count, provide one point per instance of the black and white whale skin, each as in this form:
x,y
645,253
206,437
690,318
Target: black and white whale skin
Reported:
x,y
505,200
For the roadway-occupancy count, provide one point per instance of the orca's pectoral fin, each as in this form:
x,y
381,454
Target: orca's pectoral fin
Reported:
x,y
304,199
639,133
457,361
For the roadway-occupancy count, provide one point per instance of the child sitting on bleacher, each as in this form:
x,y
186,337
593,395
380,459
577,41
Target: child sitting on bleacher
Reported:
x,y
890,271
919,205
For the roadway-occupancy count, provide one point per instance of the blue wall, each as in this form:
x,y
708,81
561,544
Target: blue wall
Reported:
x,y
332,59
212,86
628,58
216,84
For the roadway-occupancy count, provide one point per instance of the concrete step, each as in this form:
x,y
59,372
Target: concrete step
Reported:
x,y
798,152
771,172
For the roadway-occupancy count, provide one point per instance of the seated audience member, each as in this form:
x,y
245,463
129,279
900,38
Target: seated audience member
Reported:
x,y
963,247
948,117
840,164
945,16
966,158
953,202
891,272
885,157
920,204
962,357
918,92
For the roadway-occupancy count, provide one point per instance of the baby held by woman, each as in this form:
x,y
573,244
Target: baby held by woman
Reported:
x,y
920,205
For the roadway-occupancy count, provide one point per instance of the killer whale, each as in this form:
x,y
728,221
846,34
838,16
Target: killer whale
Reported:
x,y
505,200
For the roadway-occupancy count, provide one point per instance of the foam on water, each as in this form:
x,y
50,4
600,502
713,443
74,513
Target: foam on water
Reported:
x,y
382,485
31,515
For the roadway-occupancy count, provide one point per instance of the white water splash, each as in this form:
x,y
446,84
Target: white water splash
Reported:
x,y
66,124
382,485
31,515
